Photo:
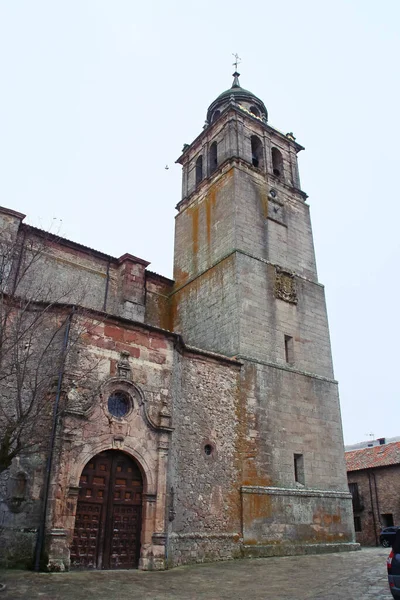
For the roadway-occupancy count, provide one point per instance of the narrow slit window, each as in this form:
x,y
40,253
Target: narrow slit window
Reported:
x,y
289,349
199,170
213,157
299,468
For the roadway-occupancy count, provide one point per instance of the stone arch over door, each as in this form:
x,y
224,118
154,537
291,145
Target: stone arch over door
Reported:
x,y
108,523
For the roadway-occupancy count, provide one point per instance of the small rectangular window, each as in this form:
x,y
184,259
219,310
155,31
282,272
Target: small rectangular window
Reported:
x,y
357,523
387,520
299,468
353,489
289,349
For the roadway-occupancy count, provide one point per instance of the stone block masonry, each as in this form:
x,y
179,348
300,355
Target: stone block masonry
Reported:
x,y
262,270
209,428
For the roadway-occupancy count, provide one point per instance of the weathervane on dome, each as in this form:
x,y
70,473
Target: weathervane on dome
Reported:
x,y
236,74
238,60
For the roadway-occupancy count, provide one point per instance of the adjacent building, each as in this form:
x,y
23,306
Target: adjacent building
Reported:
x,y
373,474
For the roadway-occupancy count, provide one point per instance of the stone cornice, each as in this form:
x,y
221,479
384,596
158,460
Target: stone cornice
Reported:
x,y
238,162
285,367
239,251
305,493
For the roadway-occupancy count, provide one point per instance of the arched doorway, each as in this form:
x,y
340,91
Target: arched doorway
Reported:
x,y
108,517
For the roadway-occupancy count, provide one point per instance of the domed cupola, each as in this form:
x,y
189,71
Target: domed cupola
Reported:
x,y
244,99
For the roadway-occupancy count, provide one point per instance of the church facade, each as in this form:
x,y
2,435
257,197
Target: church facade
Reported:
x,y
213,429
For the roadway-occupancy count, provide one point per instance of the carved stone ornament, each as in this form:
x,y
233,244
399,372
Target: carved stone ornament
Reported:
x,y
79,400
17,490
118,442
165,415
123,366
285,286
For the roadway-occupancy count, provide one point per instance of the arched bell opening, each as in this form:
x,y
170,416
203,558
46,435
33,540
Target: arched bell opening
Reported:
x,y
199,170
108,521
257,152
277,163
213,158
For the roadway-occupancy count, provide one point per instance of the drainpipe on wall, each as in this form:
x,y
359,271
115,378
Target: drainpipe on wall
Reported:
x,y
42,526
372,507
377,499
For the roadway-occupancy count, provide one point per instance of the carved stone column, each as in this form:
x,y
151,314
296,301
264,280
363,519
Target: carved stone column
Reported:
x,y
148,519
160,525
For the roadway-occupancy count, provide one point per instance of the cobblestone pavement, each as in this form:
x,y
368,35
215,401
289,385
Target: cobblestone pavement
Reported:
x,y
348,576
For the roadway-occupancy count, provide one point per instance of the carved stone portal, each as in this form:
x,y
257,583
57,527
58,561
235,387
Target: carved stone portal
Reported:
x,y
285,286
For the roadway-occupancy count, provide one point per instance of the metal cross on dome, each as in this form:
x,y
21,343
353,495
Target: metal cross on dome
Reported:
x,y
237,60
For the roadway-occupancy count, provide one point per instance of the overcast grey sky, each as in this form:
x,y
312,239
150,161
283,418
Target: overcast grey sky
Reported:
x,y
98,96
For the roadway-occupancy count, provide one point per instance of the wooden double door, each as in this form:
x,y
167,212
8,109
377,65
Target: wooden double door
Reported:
x,y
108,517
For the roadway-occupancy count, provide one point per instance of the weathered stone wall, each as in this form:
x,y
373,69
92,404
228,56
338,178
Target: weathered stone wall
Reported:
x,y
277,518
139,362
270,313
9,223
233,213
266,319
113,356
232,210
205,468
65,272
282,426
158,291
232,309
379,495
277,508
254,430
205,231
277,228
33,348
84,277
187,548
201,490
60,272
219,441
206,309
20,510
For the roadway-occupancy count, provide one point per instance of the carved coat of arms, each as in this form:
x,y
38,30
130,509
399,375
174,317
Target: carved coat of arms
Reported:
x,y
285,286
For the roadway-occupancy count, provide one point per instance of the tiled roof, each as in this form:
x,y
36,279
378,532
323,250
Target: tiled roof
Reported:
x,y
377,456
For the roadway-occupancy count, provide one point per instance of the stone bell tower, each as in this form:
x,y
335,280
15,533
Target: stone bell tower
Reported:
x,y
246,286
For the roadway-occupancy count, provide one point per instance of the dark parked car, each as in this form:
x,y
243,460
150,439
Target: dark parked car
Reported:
x,y
393,567
387,536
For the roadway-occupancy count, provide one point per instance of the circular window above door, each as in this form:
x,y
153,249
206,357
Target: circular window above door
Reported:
x,y
119,404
